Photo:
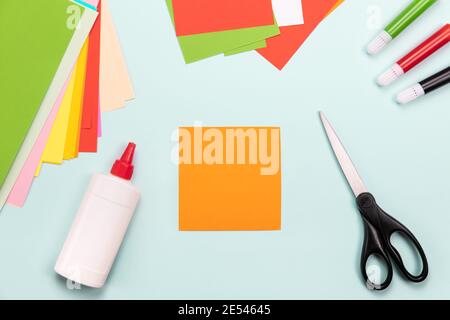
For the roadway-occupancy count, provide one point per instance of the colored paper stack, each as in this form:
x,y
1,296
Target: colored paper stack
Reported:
x,y
275,28
66,69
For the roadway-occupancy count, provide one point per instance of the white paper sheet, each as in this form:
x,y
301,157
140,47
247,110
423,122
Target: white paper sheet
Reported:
x,y
288,12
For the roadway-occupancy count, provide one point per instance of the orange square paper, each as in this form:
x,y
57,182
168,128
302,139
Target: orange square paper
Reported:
x,y
229,179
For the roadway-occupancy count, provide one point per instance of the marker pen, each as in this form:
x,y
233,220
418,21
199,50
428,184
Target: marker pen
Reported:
x,y
400,23
419,54
424,87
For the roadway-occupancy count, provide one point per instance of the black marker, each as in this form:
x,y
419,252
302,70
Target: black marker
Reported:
x,y
424,87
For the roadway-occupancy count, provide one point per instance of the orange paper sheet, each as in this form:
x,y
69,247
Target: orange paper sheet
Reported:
x,y
229,179
336,6
281,49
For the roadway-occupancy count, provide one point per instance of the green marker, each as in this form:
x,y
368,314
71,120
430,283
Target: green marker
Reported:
x,y
400,23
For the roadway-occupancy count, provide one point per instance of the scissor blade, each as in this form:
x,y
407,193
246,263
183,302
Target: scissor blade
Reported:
x,y
343,158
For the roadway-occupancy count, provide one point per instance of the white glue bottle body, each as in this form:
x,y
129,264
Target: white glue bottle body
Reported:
x,y
100,225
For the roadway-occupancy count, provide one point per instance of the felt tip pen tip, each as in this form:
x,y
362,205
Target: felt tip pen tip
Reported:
x,y
390,76
410,94
378,43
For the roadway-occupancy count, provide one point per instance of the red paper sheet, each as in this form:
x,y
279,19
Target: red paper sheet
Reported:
x,y
203,16
90,115
281,49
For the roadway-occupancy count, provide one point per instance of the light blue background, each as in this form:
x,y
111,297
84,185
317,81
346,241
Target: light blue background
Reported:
x,y
403,154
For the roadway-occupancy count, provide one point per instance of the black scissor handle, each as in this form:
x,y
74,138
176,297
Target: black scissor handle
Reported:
x,y
373,246
379,229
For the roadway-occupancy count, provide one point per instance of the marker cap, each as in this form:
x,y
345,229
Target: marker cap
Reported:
x,y
390,75
410,94
380,41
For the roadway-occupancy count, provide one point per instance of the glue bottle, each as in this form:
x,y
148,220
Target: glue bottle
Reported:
x,y
100,225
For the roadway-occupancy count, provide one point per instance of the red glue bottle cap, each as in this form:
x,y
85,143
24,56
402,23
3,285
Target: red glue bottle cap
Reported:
x,y
124,168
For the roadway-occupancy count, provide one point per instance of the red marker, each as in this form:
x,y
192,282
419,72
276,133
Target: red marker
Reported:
x,y
419,54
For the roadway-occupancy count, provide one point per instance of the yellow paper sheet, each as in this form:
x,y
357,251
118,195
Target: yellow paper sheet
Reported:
x,y
38,170
73,130
54,149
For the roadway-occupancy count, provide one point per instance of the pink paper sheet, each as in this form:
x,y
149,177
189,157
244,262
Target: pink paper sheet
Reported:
x,y
92,2
19,193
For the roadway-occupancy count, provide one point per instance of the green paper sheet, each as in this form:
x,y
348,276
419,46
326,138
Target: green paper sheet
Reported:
x,y
201,46
250,47
34,37
41,41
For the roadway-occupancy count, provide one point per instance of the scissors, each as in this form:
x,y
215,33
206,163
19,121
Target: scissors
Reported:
x,y
378,225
